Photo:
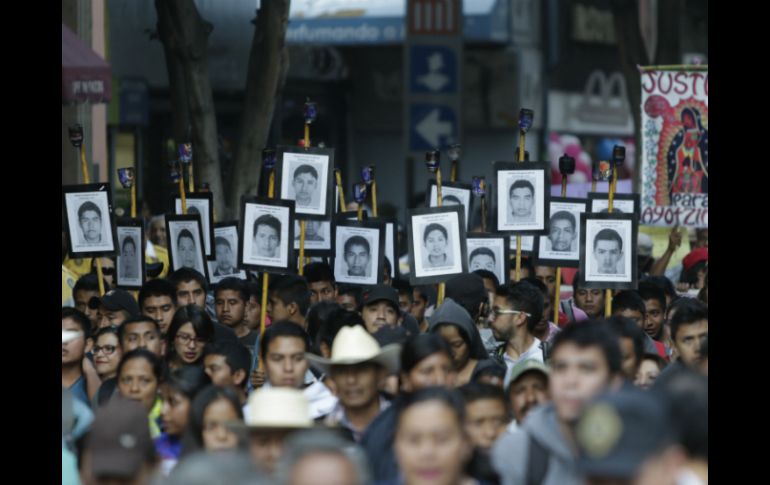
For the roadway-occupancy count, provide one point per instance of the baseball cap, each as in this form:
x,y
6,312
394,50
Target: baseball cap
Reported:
x,y
525,366
115,300
378,293
695,257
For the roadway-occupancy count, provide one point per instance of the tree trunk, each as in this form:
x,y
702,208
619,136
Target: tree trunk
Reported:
x,y
268,63
181,26
180,110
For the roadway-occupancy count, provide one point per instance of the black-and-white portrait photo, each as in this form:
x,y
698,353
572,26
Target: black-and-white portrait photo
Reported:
x,y
200,203
488,252
185,243
358,252
609,253
226,253
561,247
436,242
522,197
89,219
452,193
267,233
130,272
621,203
317,236
305,179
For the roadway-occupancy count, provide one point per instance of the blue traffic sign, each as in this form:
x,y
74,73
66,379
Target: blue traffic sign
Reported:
x,y
431,126
433,69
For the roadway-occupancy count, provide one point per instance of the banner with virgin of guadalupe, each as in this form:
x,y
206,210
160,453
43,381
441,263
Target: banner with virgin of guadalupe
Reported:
x,y
675,146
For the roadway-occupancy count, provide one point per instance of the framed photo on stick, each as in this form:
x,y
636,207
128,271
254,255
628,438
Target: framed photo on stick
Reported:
x,y
318,237
89,219
490,252
305,175
130,261
561,246
358,252
201,203
523,192
608,251
437,248
265,234
621,203
225,263
185,242
452,193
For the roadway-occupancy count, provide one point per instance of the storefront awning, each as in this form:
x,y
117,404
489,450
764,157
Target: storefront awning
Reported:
x,y
85,77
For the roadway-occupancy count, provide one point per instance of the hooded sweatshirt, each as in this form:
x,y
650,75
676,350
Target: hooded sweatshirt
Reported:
x,y
451,312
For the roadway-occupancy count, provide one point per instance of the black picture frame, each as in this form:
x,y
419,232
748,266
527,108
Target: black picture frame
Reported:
x,y
537,172
229,231
74,197
172,237
312,249
548,257
452,189
134,229
624,225
253,207
423,217
317,158
602,198
391,249
525,251
502,270
370,230
196,199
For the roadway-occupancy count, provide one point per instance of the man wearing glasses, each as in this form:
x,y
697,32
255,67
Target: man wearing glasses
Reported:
x,y
517,309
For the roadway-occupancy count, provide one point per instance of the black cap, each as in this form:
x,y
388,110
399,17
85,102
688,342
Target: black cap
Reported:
x,y
380,292
115,300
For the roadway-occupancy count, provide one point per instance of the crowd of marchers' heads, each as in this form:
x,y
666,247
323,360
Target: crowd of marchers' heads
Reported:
x,y
338,384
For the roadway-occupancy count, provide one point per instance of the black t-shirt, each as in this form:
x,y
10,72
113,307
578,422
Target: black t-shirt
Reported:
x,y
224,333
249,341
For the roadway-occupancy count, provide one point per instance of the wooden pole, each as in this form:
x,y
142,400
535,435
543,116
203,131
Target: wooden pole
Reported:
x,y
191,184
557,292
302,223
374,198
338,176
265,275
439,203
613,187
133,200
84,165
453,172
518,238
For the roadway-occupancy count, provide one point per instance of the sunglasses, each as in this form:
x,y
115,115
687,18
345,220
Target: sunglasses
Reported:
x,y
108,271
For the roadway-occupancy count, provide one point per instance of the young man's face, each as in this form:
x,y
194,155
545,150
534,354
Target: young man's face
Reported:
x,y
590,301
629,359
356,386
91,224
218,371
266,240
528,391
224,258
503,325
305,186
142,335
654,318
72,352
379,314
404,302
285,362
230,307
111,318
578,374
277,309
688,340
547,275
419,305
82,297
521,202
189,293
482,261
322,291
607,254
562,233
187,253
253,312
347,301
357,258
160,308
485,421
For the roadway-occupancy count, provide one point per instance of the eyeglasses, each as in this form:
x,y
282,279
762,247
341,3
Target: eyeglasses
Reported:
x,y
108,349
185,339
496,311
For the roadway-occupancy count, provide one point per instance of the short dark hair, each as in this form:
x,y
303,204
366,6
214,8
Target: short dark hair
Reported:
x,y
488,275
651,291
625,327
662,283
451,197
184,233
591,333
388,268
564,216
318,314
687,311
188,380
318,271
521,184
305,168
138,319
78,317
128,240
476,391
421,346
482,252
329,327
105,331
660,361
219,240
89,206
403,287
686,394
155,363
608,235
185,275
158,287
524,297
450,398
237,357
434,227
292,289
628,300
355,291
235,284
356,241
270,221
88,282
281,328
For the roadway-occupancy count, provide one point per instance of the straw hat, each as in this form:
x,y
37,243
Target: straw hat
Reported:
x,y
277,407
354,345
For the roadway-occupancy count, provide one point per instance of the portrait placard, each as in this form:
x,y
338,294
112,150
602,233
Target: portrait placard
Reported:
x,y
437,246
200,203
130,260
522,197
305,175
561,247
266,233
89,219
358,252
185,242
608,251
226,245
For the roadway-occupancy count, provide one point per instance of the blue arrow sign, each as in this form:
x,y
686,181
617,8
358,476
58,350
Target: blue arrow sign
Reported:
x,y
431,126
433,69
